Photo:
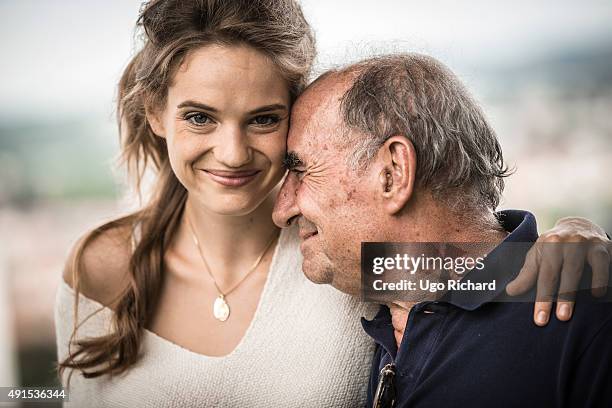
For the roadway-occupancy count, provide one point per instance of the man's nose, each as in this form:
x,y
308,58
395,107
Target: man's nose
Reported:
x,y
286,209
233,149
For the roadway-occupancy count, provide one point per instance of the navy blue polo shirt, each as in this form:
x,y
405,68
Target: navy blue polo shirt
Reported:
x,y
473,352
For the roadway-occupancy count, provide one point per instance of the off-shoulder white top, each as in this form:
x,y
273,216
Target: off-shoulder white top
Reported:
x,y
304,348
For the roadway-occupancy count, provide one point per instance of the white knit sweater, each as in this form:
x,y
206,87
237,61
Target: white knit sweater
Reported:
x,y
304,348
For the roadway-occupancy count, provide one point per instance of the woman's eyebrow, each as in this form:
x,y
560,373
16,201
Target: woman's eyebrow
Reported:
x,y
199,105
267,108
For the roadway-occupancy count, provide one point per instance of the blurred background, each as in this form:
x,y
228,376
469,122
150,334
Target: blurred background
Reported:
x,y
542,70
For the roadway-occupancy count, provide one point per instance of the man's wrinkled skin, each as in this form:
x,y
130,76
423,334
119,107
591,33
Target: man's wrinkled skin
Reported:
x,y
337,208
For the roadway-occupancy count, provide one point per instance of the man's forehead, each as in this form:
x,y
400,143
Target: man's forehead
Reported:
x,y
324,94
316,122
315,108
313,138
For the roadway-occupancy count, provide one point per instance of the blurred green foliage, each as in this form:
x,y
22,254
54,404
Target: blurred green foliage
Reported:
x,y
56,160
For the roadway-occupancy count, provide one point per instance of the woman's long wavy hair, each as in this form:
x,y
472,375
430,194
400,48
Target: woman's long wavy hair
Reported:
x,y
170,30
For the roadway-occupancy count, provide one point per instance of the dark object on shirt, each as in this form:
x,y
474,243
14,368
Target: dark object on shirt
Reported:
x,y
465,353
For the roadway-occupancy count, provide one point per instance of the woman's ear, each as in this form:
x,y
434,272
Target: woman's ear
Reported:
x,y
154,119
397,174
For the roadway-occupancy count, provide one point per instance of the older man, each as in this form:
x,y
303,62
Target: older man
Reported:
x,y
394,149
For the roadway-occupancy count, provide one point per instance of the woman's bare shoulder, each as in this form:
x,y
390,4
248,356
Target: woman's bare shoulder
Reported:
x,y
105,263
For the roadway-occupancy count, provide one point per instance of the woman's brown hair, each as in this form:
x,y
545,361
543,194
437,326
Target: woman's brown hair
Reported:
x,y
171,29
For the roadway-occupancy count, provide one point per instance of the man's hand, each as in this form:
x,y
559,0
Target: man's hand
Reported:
x,y
560,266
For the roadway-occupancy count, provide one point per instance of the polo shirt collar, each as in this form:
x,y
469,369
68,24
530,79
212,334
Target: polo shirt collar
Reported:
x,y
502,264
521,226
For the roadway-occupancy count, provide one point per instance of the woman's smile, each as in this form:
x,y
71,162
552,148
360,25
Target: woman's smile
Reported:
x,y
230,178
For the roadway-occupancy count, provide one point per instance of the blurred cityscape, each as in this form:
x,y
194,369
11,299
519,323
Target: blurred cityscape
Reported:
x,y
552,113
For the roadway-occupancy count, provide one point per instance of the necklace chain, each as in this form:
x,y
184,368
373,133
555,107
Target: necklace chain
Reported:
x,y
255,264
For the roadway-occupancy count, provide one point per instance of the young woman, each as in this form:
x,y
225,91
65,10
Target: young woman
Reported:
x,y
197,299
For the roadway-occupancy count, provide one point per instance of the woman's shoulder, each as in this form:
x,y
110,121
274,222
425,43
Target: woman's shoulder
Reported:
x,y
104,263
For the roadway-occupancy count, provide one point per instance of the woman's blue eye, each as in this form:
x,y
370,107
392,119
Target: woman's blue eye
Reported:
x,y
265,120
198,119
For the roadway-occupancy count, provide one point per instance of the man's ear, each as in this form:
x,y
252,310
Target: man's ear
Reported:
x,y
397,174
154,119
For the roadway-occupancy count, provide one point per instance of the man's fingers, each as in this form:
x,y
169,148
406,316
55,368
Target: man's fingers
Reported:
x,y
528,274
599,259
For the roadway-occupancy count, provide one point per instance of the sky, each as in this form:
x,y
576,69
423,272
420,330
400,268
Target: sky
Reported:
x,y
63,58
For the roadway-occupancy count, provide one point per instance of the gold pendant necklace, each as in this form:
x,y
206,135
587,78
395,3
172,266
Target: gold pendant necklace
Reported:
x,y
221,309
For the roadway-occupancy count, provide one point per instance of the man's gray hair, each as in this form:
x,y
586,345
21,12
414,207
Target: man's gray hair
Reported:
x,y
418,97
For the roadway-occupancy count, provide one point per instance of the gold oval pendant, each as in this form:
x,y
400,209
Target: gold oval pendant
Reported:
x,y
221,309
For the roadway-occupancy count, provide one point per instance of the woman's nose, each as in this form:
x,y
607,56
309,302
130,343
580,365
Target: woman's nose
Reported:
x,y
233,149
